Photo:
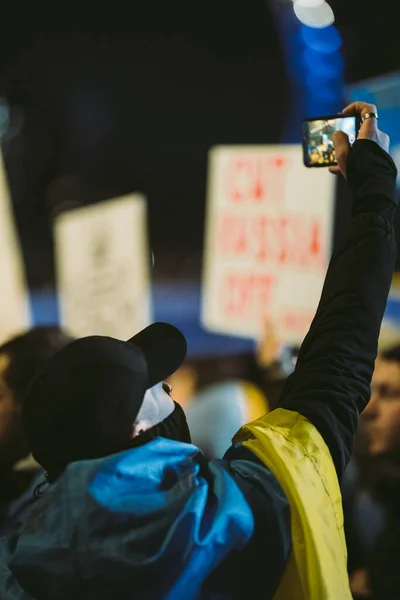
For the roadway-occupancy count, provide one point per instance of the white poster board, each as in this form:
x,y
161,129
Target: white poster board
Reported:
x,y
268,241
102,264
14,306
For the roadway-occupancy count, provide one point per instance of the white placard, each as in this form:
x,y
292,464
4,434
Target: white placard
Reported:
x,y
268,241
14,307
102,262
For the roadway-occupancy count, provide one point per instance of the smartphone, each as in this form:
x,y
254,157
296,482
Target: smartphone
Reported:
x,y
318,148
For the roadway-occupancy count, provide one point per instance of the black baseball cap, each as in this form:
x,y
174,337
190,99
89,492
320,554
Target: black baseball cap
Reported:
x,y
82,404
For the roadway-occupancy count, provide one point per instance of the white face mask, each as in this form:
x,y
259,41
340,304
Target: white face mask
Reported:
x,y
156,407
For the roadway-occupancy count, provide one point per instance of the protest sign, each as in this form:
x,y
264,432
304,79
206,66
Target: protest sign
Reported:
x,y
102,262
268,241
14,307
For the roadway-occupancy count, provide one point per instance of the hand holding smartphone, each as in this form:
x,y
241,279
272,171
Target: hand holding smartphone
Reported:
x,y
318,147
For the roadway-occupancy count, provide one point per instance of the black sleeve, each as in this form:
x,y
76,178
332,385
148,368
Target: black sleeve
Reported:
x,y
331,383
269,549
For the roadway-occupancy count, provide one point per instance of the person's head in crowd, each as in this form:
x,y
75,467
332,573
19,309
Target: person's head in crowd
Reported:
x,y
100,396
20,357
382,415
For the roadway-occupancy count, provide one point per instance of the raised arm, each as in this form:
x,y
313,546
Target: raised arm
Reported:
x,y
331,383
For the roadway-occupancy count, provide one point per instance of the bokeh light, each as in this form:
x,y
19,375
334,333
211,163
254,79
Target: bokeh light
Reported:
x,y
321,91
326,65
326,41
309,3
319,16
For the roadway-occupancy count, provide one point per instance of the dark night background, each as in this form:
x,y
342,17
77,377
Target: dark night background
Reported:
x,y
129,96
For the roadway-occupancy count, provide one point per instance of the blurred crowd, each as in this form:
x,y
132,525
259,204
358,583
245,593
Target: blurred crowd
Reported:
x,y
220,396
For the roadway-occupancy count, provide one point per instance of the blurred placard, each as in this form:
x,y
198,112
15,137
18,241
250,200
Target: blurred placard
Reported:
x,y
14,311
102,262
268,241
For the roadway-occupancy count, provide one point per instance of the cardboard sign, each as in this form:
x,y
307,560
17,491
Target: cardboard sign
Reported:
x,y
102,262
268,241
14,306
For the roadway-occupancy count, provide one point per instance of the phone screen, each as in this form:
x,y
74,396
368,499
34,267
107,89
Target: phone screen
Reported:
x,y
318,146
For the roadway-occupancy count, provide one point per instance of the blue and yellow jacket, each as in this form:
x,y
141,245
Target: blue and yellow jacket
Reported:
x,y
161,519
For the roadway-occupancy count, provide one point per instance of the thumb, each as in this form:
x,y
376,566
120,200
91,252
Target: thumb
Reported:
x,y
342,150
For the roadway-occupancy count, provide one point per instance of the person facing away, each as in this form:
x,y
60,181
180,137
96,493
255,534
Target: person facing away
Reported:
x,y
133,509
20,357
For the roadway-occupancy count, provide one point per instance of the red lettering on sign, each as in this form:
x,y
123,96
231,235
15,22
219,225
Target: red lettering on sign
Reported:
x,y
279,240
233,238
259,188
256,179
246,294
285,244
240,176
260,235
316,239
279,162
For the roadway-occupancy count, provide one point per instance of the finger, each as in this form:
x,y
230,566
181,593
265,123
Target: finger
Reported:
x,y
341,143
369,128
334,170
369,131
359,108
342,149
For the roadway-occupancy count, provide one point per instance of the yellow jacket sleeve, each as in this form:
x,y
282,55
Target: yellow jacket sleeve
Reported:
x,y
292,448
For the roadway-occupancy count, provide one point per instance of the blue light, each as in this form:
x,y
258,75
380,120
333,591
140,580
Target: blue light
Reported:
x,y
315,68
315,107
325,40
321,92
365,93
323,65
314,82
